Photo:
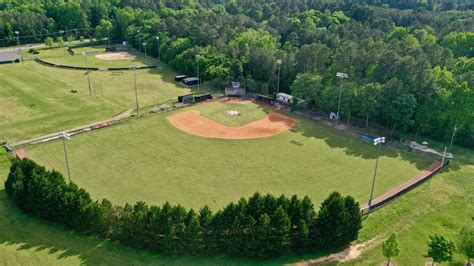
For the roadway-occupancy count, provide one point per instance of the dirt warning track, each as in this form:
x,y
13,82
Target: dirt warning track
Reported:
x,y
192,122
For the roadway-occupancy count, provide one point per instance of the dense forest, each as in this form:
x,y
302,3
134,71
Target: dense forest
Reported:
x,y
410,63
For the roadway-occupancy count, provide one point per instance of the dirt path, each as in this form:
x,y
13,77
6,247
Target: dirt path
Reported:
x,y
351,253
192,122
21,153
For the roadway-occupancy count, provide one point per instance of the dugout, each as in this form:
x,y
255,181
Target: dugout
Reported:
x,y
265,99
202,98
190,81
179,78
188,98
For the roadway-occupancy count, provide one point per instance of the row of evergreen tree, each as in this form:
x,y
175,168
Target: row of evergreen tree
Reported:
x,y
262,226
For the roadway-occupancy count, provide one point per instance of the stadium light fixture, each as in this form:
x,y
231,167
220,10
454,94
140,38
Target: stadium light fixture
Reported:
x,y
158,45
342,76
279,63
452,137
199,78
377,142
144,46
66,136
136,91
18,44
139,41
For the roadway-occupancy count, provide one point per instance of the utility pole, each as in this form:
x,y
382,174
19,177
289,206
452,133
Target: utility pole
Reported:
x,y
342,76
279,62
64,136
136,92
377,142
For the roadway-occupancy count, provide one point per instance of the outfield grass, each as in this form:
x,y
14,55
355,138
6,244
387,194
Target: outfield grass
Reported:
x,y
150,160
36,99
217,111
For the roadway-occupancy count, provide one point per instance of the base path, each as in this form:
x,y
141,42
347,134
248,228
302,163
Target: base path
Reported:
x,y
193,123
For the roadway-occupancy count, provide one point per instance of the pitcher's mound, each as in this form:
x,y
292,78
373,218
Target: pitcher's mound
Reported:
x,y
193,123
115,56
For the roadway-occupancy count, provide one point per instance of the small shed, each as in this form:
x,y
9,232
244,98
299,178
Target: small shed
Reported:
x,y
179,78
203,97
191,81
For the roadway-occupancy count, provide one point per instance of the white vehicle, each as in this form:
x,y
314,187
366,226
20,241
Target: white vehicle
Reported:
x,y
284,98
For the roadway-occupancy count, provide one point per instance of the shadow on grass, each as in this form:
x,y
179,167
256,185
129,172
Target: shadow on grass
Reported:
x,y
352,145
26,233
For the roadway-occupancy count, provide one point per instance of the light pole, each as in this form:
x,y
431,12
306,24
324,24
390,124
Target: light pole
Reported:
x,y
87,72
18,44
452,137
158,45
136,92
146,58
377,142
108,35
64,136
199,78
139,42
342,76
279,62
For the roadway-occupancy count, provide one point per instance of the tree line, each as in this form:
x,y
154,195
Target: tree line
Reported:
x,y
262,226
410,63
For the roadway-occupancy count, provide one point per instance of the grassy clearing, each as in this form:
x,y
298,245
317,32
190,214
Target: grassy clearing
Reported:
x,y
150,160
217,111
37,100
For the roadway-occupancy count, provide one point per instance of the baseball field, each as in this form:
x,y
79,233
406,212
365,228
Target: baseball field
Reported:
x,y
151,160
37,99
154,160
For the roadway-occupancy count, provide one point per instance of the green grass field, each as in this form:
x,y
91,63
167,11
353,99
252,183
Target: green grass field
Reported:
x,y
217,111
61,57
36,99
150,160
